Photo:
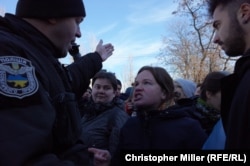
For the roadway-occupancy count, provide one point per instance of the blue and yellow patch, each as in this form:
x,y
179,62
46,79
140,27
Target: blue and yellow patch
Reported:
x,y
17,77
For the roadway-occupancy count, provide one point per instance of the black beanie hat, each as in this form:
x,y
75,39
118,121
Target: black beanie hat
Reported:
x,y
50,8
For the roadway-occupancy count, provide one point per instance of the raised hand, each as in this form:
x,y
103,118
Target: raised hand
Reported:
x,y
105,50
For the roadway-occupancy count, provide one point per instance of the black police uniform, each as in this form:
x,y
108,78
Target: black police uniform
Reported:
x,y
39,119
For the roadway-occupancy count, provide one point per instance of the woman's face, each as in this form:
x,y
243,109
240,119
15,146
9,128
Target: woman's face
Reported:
x,y
148,94
102,91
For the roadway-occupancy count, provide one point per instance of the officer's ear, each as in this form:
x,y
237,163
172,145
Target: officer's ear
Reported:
x,y
244,13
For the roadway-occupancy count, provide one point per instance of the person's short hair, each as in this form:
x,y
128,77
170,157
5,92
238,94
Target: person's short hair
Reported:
x,y
212,83
106,75
162,78
212,4
44,9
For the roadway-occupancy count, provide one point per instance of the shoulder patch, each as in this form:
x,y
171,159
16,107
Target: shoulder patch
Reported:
x,y
17,77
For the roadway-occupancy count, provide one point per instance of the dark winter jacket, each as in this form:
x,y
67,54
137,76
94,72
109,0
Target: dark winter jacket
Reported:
x,y
169,129
101,125
39,119
199,110
236,105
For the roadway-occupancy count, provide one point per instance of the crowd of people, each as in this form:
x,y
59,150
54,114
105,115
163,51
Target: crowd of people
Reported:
x,y
50,114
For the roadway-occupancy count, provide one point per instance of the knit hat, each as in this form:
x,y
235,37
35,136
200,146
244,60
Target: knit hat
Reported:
x,y
187,86
50,8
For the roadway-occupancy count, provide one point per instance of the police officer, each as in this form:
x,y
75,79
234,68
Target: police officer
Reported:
x,y
39,119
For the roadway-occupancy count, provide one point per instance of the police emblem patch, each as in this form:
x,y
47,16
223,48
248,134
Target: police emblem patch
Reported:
x,y
17,77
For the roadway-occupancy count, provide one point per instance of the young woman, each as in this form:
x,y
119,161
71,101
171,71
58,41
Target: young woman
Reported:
x,y
159,124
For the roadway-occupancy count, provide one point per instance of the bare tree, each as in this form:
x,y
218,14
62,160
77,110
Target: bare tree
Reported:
x,y
191,53
128,75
